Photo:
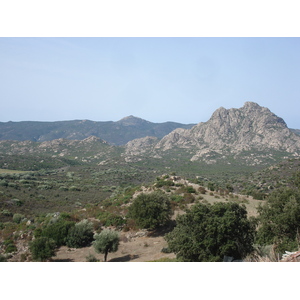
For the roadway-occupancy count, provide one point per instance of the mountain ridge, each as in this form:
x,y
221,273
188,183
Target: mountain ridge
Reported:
x,y
115,133
251,136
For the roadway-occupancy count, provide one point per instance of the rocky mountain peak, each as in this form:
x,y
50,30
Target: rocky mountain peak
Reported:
x,y
234,131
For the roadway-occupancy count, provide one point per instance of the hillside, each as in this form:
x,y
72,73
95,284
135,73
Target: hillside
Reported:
x,y
115,133
251,135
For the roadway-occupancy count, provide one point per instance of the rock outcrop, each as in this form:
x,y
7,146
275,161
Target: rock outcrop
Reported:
x,y
251,128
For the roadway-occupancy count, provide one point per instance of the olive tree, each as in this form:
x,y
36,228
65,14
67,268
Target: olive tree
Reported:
x,y
106,241
210,232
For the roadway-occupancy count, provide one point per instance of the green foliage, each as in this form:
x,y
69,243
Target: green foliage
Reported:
x,y
190,189
6,213
3,258
80,235
91,258
42,248
296,179
209,232
10,246
17,218
57,231
110,219
106,241
279,220
211,186
162,182
150,210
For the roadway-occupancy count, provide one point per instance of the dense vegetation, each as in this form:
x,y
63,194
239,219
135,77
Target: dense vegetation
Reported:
x,y
210,232
150,210
66,206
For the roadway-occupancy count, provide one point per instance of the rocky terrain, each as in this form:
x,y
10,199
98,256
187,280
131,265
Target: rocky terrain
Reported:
x,y
252,133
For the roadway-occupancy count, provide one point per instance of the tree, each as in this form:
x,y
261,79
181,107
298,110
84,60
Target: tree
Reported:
x,y
106,241
42,248
57,231
210,232
80,235
150,210
279,220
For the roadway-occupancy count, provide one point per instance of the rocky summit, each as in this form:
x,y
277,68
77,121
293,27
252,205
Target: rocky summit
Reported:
x,y
251,133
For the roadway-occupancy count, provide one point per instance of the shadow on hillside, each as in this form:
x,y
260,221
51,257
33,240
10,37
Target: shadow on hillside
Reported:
x,y
124,258
63,260
161,231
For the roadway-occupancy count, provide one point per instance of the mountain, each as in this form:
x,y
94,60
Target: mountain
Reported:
x,y
231,139
251,134
297,131
115,133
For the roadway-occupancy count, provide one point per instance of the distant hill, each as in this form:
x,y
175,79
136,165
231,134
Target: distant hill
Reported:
x,y
115,133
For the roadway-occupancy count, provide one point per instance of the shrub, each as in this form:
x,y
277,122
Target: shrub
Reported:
x,y
110,219
190,189
210,232
17,218
57,231
10,246
106,241
42,248
91,258
6,213
3,258
202,190
150,210
81,235
279,220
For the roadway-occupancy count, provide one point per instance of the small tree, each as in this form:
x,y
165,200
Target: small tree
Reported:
x,y
210,232
150,210
42,248
106,241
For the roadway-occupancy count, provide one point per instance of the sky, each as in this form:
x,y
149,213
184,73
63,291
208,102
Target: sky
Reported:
x,y
161,79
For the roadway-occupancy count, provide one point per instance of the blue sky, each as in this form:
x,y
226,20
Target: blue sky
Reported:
x,y
158,79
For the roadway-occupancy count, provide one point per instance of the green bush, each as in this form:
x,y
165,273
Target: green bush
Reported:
x,y
150,210
91,258
109,219
17,218
80,235
190,189
6,213
210,232
57,231
279,220
42,248
3,258
10,246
